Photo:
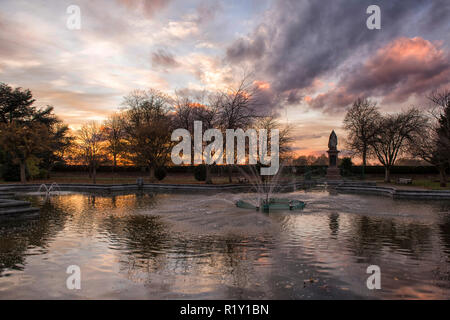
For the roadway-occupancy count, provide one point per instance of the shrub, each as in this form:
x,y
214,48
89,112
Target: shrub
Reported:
x,y
11,172
33,167
200,172
346,166
160,173
43,174
308,173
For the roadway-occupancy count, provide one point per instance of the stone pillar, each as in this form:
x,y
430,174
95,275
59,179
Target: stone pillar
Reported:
x,y
333,172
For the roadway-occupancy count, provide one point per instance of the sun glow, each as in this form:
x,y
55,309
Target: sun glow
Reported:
x,y
262,85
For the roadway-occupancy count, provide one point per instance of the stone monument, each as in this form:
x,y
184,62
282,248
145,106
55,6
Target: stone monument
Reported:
x,y
333,172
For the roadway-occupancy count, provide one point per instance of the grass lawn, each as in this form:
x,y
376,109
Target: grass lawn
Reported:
x,y
428,184
419,181
121,178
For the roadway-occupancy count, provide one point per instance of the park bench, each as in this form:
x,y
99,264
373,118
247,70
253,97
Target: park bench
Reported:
x,y
404,181
243,180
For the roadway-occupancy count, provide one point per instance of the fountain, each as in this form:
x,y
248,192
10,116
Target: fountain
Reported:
x,y
273,204
265,187
48,190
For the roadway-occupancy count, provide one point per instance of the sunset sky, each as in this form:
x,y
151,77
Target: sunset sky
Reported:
x,y
312,58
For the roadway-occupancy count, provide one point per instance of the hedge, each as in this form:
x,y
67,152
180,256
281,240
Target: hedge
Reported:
x,y
299,170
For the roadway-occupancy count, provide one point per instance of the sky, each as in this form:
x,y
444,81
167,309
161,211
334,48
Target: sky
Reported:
x,y
311,58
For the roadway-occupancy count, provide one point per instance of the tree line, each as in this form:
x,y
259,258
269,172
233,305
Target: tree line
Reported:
x,y
34,139
413,132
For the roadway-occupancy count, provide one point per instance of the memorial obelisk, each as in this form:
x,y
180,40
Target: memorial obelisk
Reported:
x,y
333,172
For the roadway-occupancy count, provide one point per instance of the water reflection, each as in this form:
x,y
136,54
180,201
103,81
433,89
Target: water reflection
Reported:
x,y
334,224
444,227
25,236
148,245
372,236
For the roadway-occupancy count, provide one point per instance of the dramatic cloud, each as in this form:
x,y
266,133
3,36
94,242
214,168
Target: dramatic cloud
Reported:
x,y
398,71
299,42
251,48
308,58
404,67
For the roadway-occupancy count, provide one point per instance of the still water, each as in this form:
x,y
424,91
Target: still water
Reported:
x,y
200,246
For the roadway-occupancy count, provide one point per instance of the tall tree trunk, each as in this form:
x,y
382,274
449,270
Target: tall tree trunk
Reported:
x,y
387,174
23,176
208,179
94,174
114,163
230,174
364,156
50,169
442,176
152,174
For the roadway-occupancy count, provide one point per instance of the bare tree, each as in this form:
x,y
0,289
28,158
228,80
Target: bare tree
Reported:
x,y
114,134
433,143
427,146
394,133
285,133
91,144
184,115
442,102
208,115
201,107
148,128
236,108
361,124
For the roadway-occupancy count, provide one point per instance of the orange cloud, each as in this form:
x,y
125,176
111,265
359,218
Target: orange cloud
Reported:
x,y
262,85
403,68
405,49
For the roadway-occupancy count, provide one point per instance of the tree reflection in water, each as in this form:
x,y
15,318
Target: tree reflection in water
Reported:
x,y
200,246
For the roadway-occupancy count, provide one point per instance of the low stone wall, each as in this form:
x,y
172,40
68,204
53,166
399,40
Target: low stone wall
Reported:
x,y
9,207
116,187
363,187
161,186
413,194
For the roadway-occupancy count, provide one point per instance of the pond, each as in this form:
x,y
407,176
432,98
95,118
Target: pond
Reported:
x,y
200,246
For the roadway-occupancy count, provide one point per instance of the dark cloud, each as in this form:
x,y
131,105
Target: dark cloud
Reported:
x,y
301,41
251,48
404,68
296,148
309,136
293,97
164,59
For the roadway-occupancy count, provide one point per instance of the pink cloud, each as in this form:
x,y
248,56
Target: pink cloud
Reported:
x,y
403,68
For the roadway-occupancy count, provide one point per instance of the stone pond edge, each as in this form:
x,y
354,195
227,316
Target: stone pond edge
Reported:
x,y
343,186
